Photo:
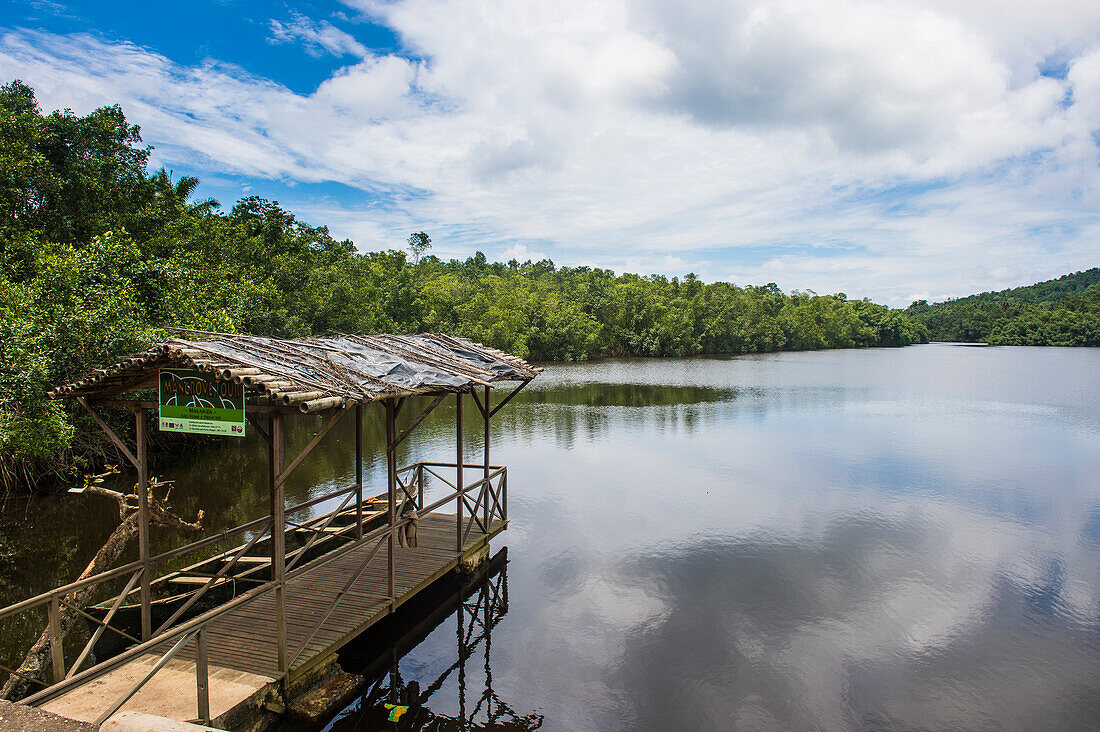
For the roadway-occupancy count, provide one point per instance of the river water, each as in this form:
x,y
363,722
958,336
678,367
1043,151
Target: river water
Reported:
x,y
877,539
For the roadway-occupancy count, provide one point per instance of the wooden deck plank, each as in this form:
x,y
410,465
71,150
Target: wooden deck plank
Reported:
x,y
242,641
244,638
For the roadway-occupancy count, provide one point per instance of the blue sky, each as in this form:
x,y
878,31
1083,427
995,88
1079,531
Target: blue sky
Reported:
x,y
877,147
196,31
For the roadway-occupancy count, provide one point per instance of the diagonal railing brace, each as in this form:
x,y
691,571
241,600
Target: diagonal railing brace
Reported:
x,y
110,433
332,421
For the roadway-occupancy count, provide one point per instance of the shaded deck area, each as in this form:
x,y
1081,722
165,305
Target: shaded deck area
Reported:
x,y
300,584
324,611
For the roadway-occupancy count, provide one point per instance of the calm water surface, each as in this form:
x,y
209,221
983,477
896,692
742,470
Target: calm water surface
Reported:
x,y
883,539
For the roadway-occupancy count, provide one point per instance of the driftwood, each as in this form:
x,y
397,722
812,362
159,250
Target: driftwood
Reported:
x,y
37,663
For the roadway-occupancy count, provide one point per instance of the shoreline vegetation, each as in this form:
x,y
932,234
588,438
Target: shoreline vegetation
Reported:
x,y
1061,312
99,256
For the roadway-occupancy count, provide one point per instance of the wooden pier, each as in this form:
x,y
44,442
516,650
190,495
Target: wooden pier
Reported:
x,y
268,619
240,641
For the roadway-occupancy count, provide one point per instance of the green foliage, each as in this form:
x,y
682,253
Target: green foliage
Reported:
x,y
1059,312
98,257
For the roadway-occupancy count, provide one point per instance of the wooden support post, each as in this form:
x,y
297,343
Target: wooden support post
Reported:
x,y
278,534
202,677
57,651
143,524
458,461
358,471
485,485
391,490
420,487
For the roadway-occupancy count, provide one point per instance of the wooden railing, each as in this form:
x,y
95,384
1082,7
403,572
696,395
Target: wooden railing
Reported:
x,y
414,482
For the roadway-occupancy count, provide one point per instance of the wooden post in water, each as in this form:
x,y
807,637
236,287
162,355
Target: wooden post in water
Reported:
x,y
143,523
458,460
391,489
358,471
485,486
278,535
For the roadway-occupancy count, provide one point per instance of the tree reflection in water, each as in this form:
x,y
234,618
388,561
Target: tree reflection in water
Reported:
x,y
476,608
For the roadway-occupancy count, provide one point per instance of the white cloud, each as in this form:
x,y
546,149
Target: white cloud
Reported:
x,y
899,148
521,253
318,38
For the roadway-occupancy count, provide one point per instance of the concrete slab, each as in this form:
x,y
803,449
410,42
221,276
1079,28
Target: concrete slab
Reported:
x,y
142,722
171,693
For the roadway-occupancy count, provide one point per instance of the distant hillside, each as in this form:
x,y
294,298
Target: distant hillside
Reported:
x,y
1059,312
1051,291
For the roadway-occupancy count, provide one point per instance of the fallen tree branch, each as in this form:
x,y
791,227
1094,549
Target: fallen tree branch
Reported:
x,y
37,662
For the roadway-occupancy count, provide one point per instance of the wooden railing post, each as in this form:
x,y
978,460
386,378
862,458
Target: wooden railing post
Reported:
x,y
485,487
278,535
420,486
57,650
143,524
458,461
391,490
358,471
202,677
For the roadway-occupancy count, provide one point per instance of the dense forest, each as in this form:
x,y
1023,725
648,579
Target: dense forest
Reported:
x,y
98,255
1059,312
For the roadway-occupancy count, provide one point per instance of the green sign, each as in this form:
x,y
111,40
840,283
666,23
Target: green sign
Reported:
x,y
192,401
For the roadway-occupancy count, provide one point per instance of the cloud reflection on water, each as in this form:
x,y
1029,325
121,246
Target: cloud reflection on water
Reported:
x,y
845,555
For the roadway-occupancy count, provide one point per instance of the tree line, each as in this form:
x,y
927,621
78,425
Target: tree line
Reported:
x,y
98,256
1061,312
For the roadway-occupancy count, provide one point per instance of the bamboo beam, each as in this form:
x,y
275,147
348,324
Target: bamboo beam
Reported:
x,y
320,405
300,396
136,404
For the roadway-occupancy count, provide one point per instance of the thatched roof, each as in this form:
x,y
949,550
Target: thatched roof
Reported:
x,y
316,373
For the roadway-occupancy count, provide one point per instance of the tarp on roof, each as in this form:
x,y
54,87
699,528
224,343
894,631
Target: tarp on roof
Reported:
x,y
317,373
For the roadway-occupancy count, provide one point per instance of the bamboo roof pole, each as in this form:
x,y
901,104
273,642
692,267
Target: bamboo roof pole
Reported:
x,y
320,405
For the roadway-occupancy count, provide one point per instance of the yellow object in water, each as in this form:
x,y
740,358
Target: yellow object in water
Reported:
x,y
395,711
